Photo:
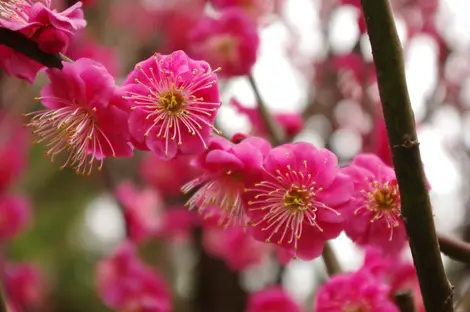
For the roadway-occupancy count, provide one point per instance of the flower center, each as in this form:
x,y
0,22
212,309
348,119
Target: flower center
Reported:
x,y
297,199
224,47
386,197
173,102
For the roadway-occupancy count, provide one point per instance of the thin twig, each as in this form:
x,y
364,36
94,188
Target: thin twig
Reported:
x,y
416,206
404,301
454,248
275,132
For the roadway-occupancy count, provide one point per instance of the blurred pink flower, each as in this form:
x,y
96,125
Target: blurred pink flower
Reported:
x,y
14,148
298,200
292,123
36,20
143,210
233,245
380,145
84,116
126,284
273,299
256,9
226,167
402,277
85,46
15,214
177,223
24,286
358,291
230,41
174,103
167,177
375,218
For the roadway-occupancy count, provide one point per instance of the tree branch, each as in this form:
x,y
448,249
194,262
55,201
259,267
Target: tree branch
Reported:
x,y
404,301
454,248
29,48
399,119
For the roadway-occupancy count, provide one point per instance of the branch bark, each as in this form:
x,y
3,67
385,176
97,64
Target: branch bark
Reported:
x,y
454,248
404,301
416,207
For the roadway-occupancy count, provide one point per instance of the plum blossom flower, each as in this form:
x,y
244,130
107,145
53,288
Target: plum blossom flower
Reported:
x,y
375,218
14,145
167,176
226,167
142,209
15,214
292,123
230,41
272,299
298,200
174,103
235,246
357,291
84,116
24,286
35,19
126,284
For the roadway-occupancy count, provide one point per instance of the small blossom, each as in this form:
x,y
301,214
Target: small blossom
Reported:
x,y
375,219
167,176
226,167
358,291
126,284
233,245
292,123
297,201
272,299
15,214
84,116
36,20
174,103
24,286
230,41
142,210
14,145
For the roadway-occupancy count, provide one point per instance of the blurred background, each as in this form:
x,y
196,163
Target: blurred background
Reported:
x,y
314,72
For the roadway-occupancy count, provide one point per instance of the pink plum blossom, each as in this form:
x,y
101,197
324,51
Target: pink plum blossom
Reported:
x,y
298,199
273,299
24,286
14,147
174,102
15,214
226,167
358,291
142,211
35,19
83,45
375,218
292,123
235,246
256,9
85,116
167,176
230,41
126,284
402,277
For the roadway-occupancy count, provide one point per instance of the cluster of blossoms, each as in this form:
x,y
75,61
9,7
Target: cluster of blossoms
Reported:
x,y
253,198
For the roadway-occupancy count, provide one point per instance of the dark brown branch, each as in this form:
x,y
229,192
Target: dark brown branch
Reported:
x,y
454,248
22,44
399,118
404,301
331,261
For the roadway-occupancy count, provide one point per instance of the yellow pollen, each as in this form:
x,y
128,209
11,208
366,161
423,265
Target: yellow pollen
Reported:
x,y
297,199
173,101
385,198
